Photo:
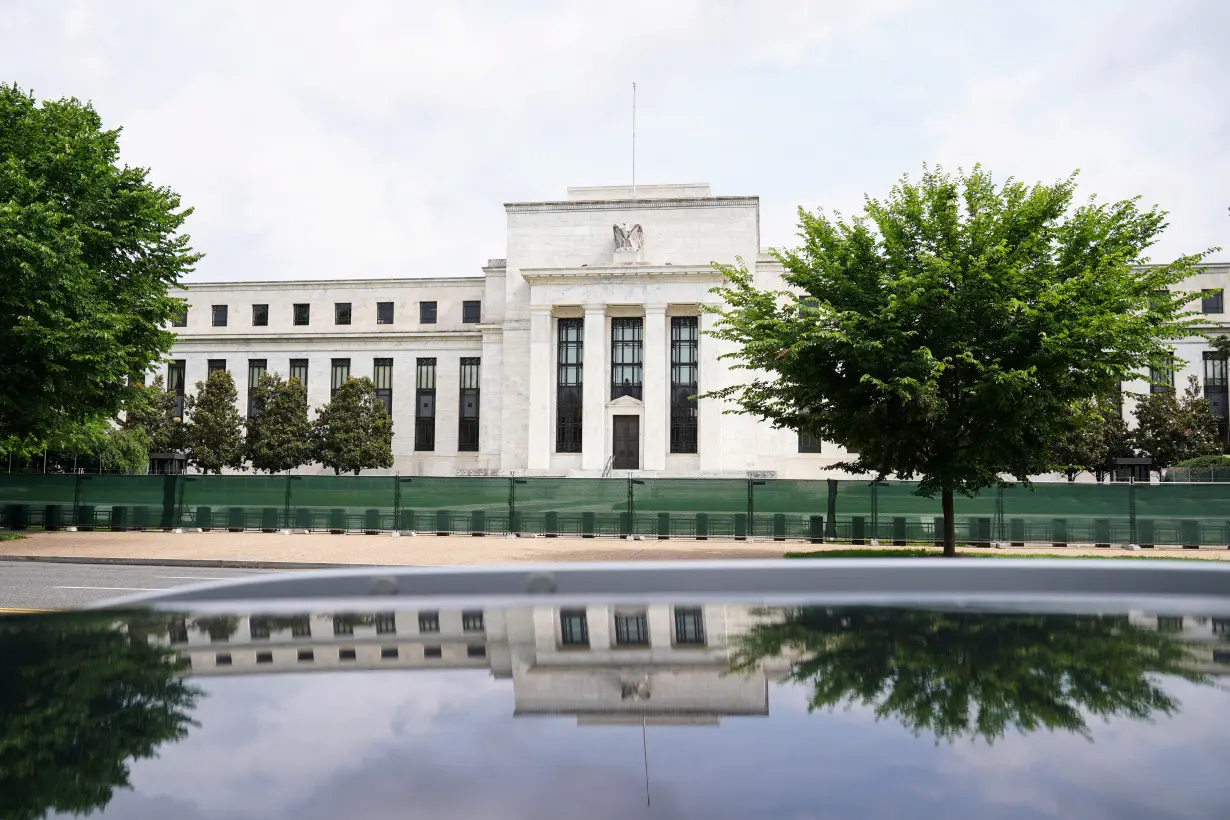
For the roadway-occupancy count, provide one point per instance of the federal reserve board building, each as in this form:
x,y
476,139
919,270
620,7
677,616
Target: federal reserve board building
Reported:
x,y
578,353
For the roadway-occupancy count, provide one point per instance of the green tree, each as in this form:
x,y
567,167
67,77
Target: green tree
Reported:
x,y
1099,436
82,695
974,674
950,331
1171,428
124,451
214,427
88,251
352,431
280,436
152,409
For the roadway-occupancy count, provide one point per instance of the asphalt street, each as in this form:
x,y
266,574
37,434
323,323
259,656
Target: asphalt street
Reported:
x,y
36,585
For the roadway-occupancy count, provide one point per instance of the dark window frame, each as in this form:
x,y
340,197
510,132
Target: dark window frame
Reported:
x,y
339,373
468,420
383,308
180,319
627,357
1212,300
214,365
219,315
1158,378
631,629
386,623
343,313
299,370
428,313
256,369
301,314
574,627
685,375
689,626
471,312
425,404
260,315
382,377
429,623
809,444
569,384
178,387
476,650
472,621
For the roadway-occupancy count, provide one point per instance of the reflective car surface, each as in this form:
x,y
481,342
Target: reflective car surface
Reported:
x,y
615,709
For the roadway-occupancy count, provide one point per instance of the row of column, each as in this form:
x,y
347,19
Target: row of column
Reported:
x,y
595,446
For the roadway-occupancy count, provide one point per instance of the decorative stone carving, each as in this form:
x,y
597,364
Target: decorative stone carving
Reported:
x,y
628,238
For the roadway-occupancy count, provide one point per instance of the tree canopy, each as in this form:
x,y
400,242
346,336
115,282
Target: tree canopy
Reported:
x,y
214,428
152,409
82,695
1173,428
353,432
978,675
949,331
88,251
279,433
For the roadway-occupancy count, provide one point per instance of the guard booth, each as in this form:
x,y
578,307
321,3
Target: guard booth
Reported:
x,y
1131,469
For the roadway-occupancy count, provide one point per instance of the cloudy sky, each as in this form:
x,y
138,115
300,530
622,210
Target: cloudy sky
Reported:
x,y
363,139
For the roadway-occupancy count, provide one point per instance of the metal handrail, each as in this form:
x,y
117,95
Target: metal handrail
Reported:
x,y
610,464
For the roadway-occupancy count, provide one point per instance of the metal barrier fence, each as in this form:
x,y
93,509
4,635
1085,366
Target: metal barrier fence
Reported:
x,y
854,511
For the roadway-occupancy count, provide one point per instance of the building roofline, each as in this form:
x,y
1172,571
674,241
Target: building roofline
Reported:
x,y
632,204
288,284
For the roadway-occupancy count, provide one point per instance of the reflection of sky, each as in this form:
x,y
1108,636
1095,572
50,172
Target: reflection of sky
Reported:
x,y
445,745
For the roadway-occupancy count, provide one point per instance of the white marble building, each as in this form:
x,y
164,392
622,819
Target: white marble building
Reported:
x,y
572,356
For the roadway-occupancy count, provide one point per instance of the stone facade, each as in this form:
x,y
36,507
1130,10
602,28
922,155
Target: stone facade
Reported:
x,y
565,261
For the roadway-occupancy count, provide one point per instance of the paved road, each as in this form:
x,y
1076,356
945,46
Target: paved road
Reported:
x,y
38,585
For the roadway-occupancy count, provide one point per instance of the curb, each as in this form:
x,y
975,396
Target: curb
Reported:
x,y
184,562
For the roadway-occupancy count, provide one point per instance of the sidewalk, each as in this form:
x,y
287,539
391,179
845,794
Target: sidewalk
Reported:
x,y
255,548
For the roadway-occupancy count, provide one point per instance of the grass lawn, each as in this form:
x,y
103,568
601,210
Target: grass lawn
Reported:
x,y
920,552
11,536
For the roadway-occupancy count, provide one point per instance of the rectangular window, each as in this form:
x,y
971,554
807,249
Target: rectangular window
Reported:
x,y
432,652
467,424
300,626
219,316
1216,388
685,339
476,651
568,385
626,354
341,313
223,659
386,623
1169,623
382,375
256,369
472,620
1161,380
574,629
808,443
264,657
176,384
425,405
342,625
214,365
299,370
1211,301
471,312
180,319
346,654
429,622
306,656
303,314
260,315
178,631
260,628
632,629
388,653
384,313
339,372
427,313
689,626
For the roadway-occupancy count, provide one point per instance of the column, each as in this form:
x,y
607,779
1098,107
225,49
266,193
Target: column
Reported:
x,y
594,393
540,390
709,411
656,379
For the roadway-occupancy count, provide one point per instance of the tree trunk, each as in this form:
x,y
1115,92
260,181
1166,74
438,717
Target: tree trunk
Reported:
x,y
950,523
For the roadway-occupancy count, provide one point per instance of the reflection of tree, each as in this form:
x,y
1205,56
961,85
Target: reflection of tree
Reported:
x,y
80,696
220,628
958,674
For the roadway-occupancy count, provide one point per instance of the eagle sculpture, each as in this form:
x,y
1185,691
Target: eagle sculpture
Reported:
x,y
628,238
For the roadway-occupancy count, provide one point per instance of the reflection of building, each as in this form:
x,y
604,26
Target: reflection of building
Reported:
x,y
603,664
1207,638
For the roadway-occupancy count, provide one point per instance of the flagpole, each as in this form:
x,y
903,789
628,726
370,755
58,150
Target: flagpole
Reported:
x,y
634,140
